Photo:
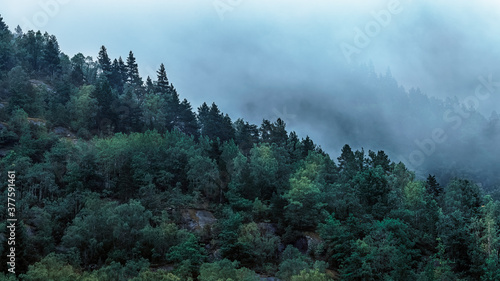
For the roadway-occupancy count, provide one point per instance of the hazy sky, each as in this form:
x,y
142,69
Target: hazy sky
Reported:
x,y
244,54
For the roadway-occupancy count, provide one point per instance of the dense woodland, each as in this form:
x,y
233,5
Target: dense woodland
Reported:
x,y
111,168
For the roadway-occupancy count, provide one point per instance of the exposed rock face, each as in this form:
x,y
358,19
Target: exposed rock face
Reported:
x,y
64,132
198,219
36,121
313,240
205,218
61,131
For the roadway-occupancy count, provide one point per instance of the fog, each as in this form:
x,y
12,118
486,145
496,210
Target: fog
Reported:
x,y
307,63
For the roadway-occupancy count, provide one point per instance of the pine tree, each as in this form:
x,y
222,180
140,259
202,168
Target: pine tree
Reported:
x,y
114,78
51,55
77,76
279,135
346,158
187,119
265,131
104,61
246,135
214,124
307,145
106,117
172,108
6,50
133,71
122,70
3,26
162,84
118,75
149,86
433,186
203,118
380,158
31,47
19,32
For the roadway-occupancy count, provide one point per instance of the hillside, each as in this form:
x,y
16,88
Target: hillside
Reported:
x,y
111,176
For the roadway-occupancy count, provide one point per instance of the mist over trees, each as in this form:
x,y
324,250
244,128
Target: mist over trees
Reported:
x,y
445,137
119,178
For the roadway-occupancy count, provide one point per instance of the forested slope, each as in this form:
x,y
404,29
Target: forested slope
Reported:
x,y
119,179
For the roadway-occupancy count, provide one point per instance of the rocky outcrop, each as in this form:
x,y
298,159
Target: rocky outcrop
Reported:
x,y
64,132
198,220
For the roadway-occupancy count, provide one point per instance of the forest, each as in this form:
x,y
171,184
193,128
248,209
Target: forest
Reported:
x,y
116,177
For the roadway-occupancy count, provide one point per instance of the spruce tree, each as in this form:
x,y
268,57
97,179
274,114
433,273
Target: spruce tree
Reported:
x,y
133,71
51,55
187,119
6,50
104,61
162,84
150,88
433,186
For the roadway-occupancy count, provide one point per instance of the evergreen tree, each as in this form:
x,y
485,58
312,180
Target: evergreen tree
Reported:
x,y
104,61
307,145
187,122
433,186
31,50
173,109
279,135
162,84
22,94
106,117
77,76
380,158
133,77
6,50
150,88
118,75
52,62
246,135
265,131
347,161
214,124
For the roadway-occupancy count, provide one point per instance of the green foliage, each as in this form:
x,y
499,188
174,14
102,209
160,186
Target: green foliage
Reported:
x,y
228,228
107,230
109,201
257,249
337,240
7,277
311,275
203,176
187,250
51,267
461,207
83,108
304,196
214,123
117,272
296,266
225,270
159,275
